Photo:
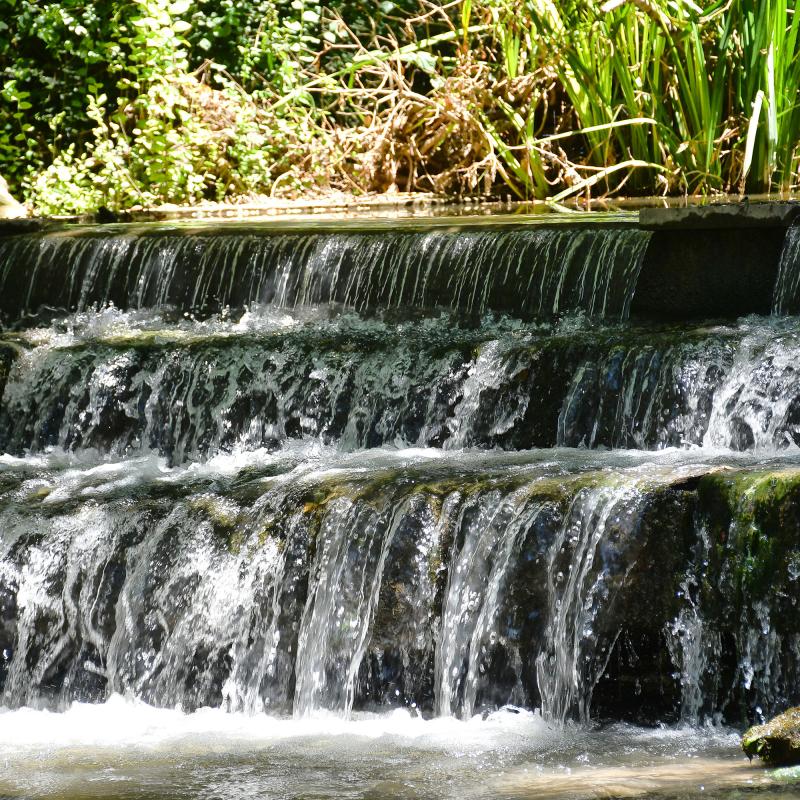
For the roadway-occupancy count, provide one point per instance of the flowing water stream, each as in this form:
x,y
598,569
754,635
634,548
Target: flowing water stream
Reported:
x,y
413,513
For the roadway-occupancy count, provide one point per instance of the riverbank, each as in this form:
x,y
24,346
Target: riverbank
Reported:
x,y
163,102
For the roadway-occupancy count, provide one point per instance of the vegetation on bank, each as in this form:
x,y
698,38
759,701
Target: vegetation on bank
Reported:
x,y
139,102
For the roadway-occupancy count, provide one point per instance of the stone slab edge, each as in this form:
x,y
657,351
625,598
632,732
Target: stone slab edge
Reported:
x,y
718,216
721,216
10,227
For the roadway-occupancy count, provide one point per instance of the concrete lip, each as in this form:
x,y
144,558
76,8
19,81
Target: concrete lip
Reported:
x,y
772,214
715,261
712,216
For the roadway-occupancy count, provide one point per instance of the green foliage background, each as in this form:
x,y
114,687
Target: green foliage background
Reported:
x,y
129,103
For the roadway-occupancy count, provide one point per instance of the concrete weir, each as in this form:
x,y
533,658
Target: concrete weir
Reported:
x,y
712,261
306,471
700,262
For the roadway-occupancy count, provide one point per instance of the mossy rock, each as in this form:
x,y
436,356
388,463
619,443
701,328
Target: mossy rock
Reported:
x,y
777,742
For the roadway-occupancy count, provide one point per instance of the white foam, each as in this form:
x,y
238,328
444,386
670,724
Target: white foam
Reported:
x,y
57,475
123,723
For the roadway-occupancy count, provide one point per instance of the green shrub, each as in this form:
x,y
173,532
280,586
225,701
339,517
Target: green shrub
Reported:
x,y
140,102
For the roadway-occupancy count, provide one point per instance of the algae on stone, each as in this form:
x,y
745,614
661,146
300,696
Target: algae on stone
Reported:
x,y
748,587
777,742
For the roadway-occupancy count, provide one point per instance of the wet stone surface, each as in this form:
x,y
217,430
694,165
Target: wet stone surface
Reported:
x,y
776,742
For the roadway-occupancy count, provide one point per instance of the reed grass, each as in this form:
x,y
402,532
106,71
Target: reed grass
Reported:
x,y
720,82
545,99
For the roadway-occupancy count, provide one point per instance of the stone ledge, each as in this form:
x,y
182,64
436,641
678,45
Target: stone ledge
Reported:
x,y
9,227
721,216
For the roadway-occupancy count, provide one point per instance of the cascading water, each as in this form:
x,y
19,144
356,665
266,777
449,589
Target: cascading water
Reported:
x,y
337,474
531,271
188,394
786,297
576,591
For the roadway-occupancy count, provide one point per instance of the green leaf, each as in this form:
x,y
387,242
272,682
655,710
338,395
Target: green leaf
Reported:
x,y
752,131
421,59
180,7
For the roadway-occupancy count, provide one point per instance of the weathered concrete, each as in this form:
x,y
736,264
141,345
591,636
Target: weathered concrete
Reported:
x,y
14,225
723,216
704,274
712,261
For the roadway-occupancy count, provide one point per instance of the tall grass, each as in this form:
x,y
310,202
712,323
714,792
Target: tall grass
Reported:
x,y
718,84
552,98
768,87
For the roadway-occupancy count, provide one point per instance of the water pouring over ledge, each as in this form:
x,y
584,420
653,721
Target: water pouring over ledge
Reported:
x,y
371,527
674,264
126,383
540,270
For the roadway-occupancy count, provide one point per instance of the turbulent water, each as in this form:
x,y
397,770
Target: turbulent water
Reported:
x,y
123,383
284,500
125,749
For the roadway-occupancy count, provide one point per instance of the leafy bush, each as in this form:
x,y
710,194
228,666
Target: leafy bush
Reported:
x,y
140,102
157,133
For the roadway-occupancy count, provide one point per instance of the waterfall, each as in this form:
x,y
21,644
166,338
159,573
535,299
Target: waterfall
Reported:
x,y
577,589
479,570
216,388
786,296
351,554
344,471
756,405
694,647
300,591
656,394
535,271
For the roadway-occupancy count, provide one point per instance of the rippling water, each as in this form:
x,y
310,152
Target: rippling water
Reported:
x,y
125,749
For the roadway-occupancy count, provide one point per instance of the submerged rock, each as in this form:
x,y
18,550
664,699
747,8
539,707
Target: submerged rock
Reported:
x,y
777,742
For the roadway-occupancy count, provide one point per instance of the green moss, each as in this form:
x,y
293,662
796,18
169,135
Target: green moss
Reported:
x,y
754,519
777,742
225,517
271,531
39,493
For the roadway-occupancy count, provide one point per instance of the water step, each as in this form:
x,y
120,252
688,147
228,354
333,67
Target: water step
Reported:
x,y
201,389
293,470
604,585
715,262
